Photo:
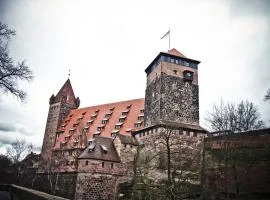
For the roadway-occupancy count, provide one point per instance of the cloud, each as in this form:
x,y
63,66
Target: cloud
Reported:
x,y
7,127
249,7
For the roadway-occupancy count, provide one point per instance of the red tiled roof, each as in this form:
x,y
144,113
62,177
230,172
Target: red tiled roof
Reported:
x,y
100,111
174,52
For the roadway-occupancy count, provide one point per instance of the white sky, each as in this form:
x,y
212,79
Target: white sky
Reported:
x,y
108,44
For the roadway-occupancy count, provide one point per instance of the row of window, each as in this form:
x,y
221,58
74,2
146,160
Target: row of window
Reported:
x,y
152,131
87,162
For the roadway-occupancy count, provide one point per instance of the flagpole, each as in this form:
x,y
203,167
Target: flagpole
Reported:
x,y
169,39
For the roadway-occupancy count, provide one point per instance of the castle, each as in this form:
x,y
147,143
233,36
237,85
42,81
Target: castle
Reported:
x,y
98,143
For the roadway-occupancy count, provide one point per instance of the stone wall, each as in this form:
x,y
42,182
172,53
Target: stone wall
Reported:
x,y
170,98
92,186
237,166
179,100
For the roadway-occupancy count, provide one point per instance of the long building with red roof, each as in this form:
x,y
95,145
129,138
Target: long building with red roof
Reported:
x,y
101,141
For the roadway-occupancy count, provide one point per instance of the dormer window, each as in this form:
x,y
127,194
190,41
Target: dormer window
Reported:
x,y
100,127
118,125
125,112
112,109
122,118
85,129
92,147
114,133
129,106
104,121
108,115
138,124
71,131
141,117
103,148
90,122
96,133
188,75
142,111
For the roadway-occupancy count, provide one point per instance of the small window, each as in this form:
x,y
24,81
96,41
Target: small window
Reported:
x,y
122,119
102,164
172,60
86,162
176,61
174,71
195,134
188,75
112,165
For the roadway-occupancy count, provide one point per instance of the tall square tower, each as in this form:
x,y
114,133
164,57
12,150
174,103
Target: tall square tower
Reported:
x,y
172,90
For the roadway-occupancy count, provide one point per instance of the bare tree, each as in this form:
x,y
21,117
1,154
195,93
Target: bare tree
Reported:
x,y
11,73
168,166
17,150
235,117
267,95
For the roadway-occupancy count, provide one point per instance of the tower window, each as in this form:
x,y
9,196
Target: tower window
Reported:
x,y
188,75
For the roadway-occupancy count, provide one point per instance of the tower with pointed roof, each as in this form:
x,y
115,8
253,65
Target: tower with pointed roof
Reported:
x,y
59,107
172,90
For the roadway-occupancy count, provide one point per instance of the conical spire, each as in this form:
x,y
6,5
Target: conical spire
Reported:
x,y
66,94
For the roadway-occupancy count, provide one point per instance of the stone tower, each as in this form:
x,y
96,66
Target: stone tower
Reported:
x,y
60,106
172,91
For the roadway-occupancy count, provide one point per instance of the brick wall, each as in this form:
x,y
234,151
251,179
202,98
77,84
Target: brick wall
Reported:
x,y
237,166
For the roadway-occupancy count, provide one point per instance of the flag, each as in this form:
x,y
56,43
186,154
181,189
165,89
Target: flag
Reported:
x,y
166,34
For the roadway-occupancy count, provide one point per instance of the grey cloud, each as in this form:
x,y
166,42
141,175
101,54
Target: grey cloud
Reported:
x,y
249,7
7,127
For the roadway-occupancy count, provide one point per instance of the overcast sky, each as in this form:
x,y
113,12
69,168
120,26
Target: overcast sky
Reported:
x,y
108,44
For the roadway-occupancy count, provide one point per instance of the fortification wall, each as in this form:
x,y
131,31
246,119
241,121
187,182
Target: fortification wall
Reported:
x,y
237,166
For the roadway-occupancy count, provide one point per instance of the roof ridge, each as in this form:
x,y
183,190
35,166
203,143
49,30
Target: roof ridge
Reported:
x,y
117,102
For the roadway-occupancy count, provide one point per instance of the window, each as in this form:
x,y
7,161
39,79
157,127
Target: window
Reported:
x,y
188,75
176,61
122,119
140,117
102,164
172,60
174,71
142,111
99,128
118,126
138,124
86,162
90,122
112,165
195,134
108,115
125,112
